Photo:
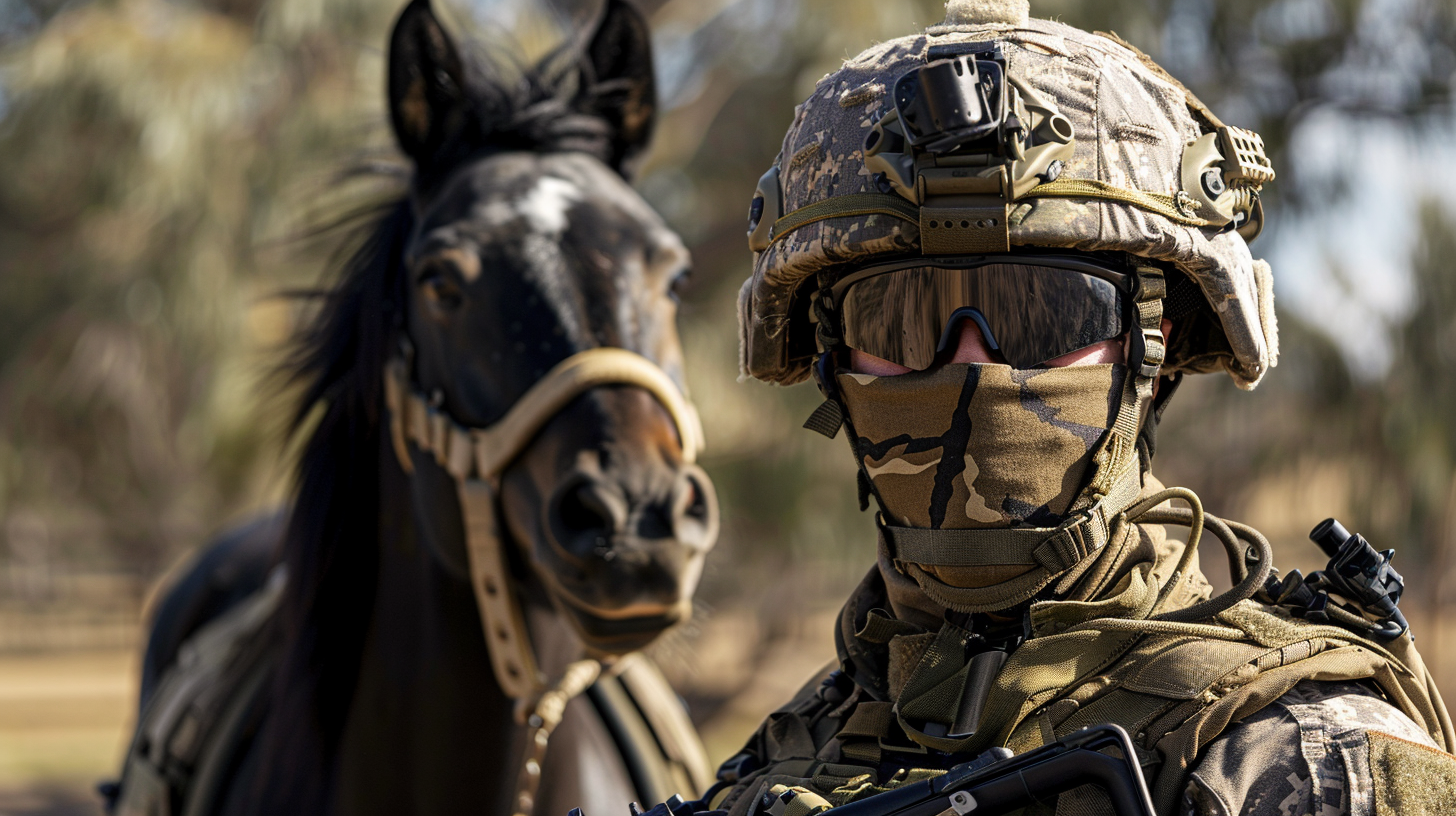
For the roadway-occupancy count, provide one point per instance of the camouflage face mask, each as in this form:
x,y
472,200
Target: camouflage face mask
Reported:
x,y
973,445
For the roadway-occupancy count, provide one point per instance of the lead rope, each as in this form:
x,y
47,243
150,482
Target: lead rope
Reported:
x,y
543,719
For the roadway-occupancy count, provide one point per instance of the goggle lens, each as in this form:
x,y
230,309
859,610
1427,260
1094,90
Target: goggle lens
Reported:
x,y
1029,312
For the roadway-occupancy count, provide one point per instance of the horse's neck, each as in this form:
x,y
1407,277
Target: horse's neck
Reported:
x,y
430,730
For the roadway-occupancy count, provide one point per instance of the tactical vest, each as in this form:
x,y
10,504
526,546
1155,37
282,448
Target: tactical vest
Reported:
x,y
1174,686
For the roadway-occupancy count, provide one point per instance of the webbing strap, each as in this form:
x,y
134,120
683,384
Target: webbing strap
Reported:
x,y
1175,209
1157,203
1055,548
1117,461
509,642
870,719
880,627
965,548
846,206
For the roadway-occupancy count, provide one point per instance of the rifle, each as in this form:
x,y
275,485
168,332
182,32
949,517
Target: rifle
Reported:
x,y
993,783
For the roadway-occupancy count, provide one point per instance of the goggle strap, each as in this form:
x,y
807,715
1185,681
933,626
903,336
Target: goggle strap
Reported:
x,y
1117,460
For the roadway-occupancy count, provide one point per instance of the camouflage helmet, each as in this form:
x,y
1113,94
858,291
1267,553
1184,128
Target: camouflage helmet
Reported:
x,y
1122,158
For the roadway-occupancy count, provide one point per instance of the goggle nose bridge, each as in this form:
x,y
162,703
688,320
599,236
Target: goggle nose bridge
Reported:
x,y
961,314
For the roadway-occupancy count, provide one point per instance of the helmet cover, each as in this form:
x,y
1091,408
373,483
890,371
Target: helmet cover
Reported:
x,y
1132,125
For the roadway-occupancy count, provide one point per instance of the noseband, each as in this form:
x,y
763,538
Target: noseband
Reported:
x,y
476,458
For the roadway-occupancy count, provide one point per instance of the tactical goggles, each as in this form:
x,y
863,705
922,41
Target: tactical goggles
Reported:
x,y
1030,309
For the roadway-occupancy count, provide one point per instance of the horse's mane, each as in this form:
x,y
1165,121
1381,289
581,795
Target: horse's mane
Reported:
x,y
335,364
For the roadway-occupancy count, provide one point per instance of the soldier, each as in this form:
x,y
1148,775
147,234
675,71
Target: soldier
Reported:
x,y
997,246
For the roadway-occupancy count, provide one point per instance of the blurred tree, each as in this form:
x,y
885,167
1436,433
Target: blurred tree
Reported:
x,y
146,149
1420,399
153,151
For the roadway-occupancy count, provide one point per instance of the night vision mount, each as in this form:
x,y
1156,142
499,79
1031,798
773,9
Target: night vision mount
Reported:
x,y
964,141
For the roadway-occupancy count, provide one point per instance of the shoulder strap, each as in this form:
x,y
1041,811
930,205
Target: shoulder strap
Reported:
x,y
1177,686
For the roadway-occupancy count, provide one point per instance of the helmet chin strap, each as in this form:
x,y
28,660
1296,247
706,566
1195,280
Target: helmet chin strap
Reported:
x,y
476,458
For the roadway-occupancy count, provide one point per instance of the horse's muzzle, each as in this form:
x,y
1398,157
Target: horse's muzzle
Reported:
x,y
631,562
593,519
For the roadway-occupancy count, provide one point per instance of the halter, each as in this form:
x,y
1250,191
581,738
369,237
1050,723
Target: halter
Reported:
x,y
476,458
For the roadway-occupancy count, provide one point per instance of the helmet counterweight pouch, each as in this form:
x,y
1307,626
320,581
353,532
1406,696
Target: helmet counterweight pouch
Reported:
x,y
964,141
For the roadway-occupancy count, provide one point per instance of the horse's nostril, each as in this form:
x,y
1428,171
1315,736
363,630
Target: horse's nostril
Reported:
x,y
580,511
587,516
695,512
697,504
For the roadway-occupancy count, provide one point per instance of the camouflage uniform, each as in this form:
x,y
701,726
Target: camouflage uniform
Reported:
x,y
1235,706
1308,753
1317,749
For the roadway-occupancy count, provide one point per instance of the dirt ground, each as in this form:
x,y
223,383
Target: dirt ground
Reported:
x,y
63,719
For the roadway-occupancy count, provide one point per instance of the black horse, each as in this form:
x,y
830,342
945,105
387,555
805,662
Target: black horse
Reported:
x,y
357,678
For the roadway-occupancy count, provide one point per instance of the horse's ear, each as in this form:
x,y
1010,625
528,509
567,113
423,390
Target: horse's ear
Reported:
x,y
427,102
620,85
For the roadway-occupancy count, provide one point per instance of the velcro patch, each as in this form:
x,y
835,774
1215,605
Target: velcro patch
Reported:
x,y
1411,779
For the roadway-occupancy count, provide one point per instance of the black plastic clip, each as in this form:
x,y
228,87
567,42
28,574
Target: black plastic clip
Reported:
x,y
1357,574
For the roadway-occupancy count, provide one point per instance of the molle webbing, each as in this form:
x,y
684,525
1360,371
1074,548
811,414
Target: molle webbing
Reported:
x,y
1175,686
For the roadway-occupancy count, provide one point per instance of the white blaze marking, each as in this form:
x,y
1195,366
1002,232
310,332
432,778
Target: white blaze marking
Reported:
x,y
544,206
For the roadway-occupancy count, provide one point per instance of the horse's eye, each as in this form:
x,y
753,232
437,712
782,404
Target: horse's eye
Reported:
x,y
679,284
439,287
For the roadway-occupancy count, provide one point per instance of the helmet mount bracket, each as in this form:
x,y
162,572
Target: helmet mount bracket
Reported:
x,y
1222,174
964,141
